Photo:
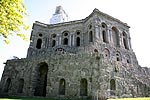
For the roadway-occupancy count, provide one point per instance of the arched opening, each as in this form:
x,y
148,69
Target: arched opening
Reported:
x,y
104,36
7,85
104,33
41,80
115,36
53,43
125,42
112,86
62,85
91,36
39,44
83,87
65,41
20,86
78,41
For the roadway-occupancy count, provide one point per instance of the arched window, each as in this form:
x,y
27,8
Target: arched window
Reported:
x,y
78,41
83,87
104,33
112,84
118,56
90,36
62,85
104,36
65,37
39,44
7,85
115,36
53,43
65,41
20,86
125,41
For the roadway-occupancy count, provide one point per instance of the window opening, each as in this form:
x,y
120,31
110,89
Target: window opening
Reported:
x,y
39,44
53,43
78,41
65,41
90,36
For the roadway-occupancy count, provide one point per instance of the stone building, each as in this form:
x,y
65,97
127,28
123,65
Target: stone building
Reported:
x,y
88,58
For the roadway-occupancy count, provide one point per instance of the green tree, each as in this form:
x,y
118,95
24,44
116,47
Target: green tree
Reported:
x,y
12,19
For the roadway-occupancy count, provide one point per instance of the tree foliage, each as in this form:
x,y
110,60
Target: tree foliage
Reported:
x,y
12,19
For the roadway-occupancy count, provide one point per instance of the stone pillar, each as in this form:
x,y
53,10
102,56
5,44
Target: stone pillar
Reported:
x,y
120,38
110,35
70,39
59,39
129,43
73,40
100,34
97,32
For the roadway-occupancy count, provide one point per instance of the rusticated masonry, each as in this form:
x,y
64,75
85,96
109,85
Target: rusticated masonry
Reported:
x,y
88,58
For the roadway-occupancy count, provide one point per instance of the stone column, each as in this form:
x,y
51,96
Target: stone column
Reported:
x,y
59,39
100,33
129,43
73,40
120,38
97,32
110,35
70,39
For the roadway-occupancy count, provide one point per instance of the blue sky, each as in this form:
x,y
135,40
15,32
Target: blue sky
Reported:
x,y
133,12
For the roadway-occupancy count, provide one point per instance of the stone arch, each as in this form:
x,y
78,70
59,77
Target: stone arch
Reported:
x,y
7,85
39,44
112,86
106,53
65,37
83,87
20,86
53,37
90,36
125,40
41,79
115,36
104,33
118,56
62,86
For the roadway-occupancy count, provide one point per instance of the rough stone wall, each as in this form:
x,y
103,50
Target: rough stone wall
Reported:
x,y
98,67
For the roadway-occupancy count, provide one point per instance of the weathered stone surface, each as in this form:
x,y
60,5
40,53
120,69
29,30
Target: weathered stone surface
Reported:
x,y
84,58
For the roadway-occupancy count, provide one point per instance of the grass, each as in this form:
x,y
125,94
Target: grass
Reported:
x,y
147,98
27,98
30,98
